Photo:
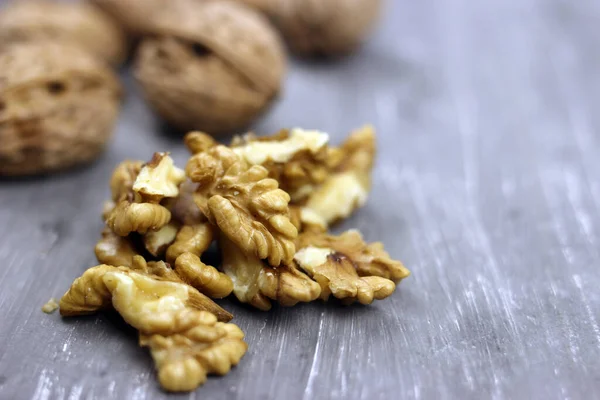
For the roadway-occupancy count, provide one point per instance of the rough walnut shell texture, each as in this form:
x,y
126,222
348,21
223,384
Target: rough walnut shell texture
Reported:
x,y
321,27
58,105
215,66
79,23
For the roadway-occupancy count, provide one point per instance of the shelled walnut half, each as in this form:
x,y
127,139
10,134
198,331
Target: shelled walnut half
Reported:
x,y
246,205
347,267
179,324
138,209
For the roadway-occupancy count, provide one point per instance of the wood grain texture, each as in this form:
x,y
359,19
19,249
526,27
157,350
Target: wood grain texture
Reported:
x,y
486,187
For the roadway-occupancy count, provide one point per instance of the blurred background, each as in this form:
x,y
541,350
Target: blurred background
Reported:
x,y
486,186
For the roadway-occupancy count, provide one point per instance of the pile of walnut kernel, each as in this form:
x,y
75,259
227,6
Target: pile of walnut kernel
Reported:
x,y
268,202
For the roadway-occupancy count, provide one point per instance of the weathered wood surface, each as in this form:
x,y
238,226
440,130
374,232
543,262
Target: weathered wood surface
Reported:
x,y
487,187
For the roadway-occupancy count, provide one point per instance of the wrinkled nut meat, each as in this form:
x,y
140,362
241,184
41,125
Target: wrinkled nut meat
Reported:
x,y
348,186
246,205
297,159
152,295
128,216
58,105
199,346
210,65
77,23
194,239
348,268
205,278
115,250
322,28
256,283
138,210
273,249
159,178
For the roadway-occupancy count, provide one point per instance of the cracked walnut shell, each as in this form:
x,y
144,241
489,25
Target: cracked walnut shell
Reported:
x,y
58,105
77,23
210,65
317,27
246,205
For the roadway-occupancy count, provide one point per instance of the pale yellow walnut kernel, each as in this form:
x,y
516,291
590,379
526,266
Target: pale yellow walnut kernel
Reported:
x,y
255,283
298,159
257,152
114,250
159,178
205,278
123,177
247,206
50,306
307,220
348,268
129,217
157,242
348,186
199,347
193,239
369,259
139,293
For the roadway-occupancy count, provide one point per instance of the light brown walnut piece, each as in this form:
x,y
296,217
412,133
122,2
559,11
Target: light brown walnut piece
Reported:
x,y
129,216
185,338
347,267
205,278
115,250
197,142
157,242
138,210
199,346
159,178
306,220
246,205
257,284
298,159
149,294
123,178
195,239
348,186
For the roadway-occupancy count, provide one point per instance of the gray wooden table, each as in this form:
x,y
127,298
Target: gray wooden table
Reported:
x,y
486,186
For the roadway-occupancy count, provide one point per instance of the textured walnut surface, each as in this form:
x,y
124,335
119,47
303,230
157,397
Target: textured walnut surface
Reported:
x,y
484,186
210,65
75,22
58,105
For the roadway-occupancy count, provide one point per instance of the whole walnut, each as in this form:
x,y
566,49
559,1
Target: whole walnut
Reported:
x,y
321,27
79,23
58,105
210,65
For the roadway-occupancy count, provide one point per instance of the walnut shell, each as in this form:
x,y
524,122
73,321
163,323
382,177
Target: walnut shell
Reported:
x,y
215,67
319,27
79,23
58,105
